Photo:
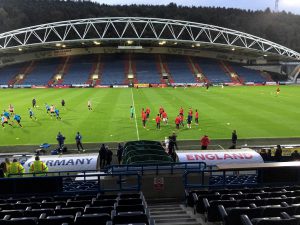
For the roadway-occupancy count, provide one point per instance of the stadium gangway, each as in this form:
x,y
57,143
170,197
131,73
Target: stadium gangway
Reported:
x,y
223,178
157,167
63,180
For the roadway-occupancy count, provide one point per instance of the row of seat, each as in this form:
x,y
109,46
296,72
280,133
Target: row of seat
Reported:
x,y
121,208
283,219
193,196
82,219
77,197
260,215
82,203
266,208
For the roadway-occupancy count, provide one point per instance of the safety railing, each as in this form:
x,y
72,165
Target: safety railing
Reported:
x,y
120,181
55,173
213,178
157,168
101,182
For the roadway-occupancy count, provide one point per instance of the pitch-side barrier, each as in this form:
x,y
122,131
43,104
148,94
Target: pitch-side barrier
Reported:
x,y
80,182
157,168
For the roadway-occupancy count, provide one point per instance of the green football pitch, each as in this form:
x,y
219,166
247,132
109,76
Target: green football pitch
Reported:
x,y
253,111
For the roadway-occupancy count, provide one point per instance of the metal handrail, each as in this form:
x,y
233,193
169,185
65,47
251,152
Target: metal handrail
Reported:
x,y
157,167
56,173
202,173
120,180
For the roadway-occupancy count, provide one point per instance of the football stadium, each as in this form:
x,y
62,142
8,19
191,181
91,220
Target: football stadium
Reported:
x,y
148,114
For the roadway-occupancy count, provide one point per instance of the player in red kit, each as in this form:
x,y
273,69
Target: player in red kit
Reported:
x,y
181,111
177,122
191,113
143,111
144,119
181,119
147,112
197,117
204,142
161,110
158,119
165,117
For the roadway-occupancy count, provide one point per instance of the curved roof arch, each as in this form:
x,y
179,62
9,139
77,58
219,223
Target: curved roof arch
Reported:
x,y
139,29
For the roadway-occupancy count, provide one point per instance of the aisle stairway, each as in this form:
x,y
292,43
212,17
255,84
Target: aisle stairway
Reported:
x,y
173,213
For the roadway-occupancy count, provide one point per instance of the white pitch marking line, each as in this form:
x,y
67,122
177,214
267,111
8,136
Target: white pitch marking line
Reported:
x,y
136,126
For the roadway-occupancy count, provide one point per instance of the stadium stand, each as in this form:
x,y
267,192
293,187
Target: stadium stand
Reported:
x,y
179,69
9,72
79,70
120,208
212,70
113,70
146,69
248,75
42,72
255,204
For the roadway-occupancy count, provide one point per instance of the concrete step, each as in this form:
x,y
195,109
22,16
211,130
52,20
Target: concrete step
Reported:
x,y
176,212
175,221
164,209
172,217
180,223
172,213
164,206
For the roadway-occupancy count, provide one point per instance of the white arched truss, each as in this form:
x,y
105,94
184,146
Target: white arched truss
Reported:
x,y
139,29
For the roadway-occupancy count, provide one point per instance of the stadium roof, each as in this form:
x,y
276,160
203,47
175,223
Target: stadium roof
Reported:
x,y
139,31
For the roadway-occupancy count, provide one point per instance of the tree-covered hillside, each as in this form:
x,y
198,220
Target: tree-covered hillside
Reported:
x,y
282,28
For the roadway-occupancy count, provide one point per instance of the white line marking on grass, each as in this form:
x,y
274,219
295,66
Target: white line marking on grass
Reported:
x,y
136,126
221,147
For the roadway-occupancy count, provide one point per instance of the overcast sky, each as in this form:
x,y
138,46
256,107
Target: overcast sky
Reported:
x,y
287,5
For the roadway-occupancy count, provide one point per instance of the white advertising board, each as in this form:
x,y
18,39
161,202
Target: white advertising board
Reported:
x,y
217,157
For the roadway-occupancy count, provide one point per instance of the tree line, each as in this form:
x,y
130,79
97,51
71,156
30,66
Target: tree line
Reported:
x,y
279,27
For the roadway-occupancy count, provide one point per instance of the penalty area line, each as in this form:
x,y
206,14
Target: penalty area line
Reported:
x,y
136,126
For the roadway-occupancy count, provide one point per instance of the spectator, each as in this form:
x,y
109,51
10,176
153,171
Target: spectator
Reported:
x,y
167,141
3,170
78,138
171,149
233,139
204,142
171,146
61,140
38,166
264,154
109,156
164,145
120,153
295,155
16,168
102,155
269,155
173,156
7,164
173,137
278,153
